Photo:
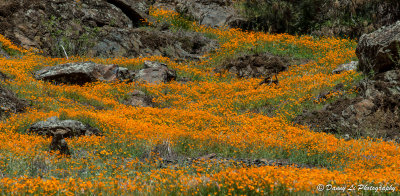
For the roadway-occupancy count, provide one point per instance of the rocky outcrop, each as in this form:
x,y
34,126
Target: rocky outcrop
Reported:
x,y
214,13
155,72
379,51
257,65
99,28
81,73
138,99
69,128
9,103
177,45
48,24
374,112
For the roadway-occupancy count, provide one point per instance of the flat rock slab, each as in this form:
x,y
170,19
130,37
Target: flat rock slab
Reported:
x,y
67,128
81,73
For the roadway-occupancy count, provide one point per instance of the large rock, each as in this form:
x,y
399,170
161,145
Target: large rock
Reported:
x,y
379,51
69,128
47,25
214,13
155,72
10,103
99,28
81,73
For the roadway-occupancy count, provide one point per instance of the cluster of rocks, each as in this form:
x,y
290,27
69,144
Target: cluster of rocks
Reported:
x,y
375,111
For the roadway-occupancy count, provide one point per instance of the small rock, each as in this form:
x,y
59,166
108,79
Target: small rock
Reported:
x,y
58,142
346,67
155,72
139,99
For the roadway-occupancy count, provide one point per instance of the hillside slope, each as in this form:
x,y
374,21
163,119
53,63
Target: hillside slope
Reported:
x,y
208,132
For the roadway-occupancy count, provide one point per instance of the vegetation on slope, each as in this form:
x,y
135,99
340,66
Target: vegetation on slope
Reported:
x,y
322,17
210,114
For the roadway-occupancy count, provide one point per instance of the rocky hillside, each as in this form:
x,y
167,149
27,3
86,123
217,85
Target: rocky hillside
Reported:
x,y
157,97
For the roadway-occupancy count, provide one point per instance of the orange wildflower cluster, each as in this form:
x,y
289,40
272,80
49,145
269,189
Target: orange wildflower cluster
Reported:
x,y
212,113
5,43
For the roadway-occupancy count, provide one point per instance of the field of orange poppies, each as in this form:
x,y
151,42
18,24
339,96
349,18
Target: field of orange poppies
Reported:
x,y
210,114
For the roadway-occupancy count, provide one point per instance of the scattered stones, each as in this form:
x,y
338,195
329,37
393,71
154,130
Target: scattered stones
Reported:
x,y
9,103
81,73
66,128
378,51
257,65
138,99
346,67
155,72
